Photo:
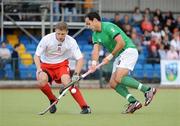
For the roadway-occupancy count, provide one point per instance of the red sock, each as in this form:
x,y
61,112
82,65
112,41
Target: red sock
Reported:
x,y
48,92
78,97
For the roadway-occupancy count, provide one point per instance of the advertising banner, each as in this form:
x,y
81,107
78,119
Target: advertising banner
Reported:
x,y
170,72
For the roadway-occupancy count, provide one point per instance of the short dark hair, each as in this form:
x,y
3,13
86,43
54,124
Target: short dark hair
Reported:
x,y
16,45
93,15
61,26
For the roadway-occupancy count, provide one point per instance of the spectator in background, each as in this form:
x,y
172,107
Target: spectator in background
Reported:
x,y
5,53
178,22
154,56
126,20
162,52
155,41
15,61
127,29
146,24
5,56
167,32
56,10
137,41
175,42
146,36
169,15
116,20
88,5
157,32
156,21
170,25
147,13
172,53
137,17
158,13
69,10
166,42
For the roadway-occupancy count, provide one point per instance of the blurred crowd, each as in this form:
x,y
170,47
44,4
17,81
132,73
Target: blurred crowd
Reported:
x,y
153,32
66,10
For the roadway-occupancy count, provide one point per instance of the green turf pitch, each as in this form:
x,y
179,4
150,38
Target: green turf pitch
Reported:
x,y
20,108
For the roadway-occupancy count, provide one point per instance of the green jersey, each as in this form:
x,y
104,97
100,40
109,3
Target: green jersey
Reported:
x,y
106,37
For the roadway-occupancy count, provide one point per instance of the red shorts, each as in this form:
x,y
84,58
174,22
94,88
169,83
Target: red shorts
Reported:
x,y
55,71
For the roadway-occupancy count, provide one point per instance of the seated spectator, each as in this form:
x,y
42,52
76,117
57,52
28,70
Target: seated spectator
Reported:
x,y
175,42
137,17
158,13
156,21
137,41
5,56
146,24
178,22
155,41
146,38
157,32
5,53
154,56
15,61
167,32
116,20
147,13
127,29
162,52
169,15
169,23
172,53
166,42
126,20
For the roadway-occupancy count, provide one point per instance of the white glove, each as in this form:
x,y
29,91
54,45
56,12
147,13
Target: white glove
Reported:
x,y
75,77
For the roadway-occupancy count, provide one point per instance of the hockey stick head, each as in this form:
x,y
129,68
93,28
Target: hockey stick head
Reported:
x,y
47,109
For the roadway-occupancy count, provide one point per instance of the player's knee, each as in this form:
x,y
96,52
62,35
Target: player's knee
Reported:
x,y
118,79
113,84
42,79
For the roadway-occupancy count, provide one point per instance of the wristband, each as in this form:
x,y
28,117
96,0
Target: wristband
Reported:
x,y
110,56
94,62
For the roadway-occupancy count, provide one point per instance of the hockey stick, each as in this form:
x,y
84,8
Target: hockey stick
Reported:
x,y
67,88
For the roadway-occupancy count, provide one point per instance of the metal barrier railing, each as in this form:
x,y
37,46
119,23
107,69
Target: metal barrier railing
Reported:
x,y
43,14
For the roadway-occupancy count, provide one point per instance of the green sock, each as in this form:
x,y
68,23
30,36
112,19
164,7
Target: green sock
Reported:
x,y
123,91
131,82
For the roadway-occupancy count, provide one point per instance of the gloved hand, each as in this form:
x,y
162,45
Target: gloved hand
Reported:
x,y
75,77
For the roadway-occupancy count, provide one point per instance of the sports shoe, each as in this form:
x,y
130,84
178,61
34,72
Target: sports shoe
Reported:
x,y
149,96
85,110
53,108
132,107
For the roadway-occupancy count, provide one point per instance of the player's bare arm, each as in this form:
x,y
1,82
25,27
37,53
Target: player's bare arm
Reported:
x,y
95,56
119,46
37,62
79,65
95,52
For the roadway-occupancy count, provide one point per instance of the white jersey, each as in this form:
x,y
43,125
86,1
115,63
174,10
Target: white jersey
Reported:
x,y
52,51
